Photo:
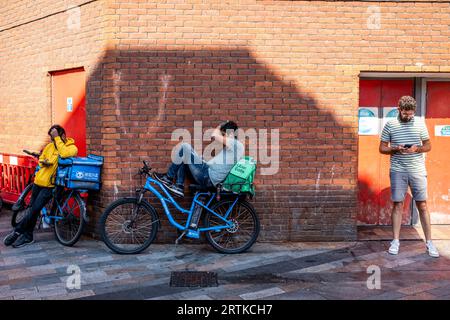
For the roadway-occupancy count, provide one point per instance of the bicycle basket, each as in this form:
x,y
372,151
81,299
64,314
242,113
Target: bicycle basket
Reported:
x,y
80,172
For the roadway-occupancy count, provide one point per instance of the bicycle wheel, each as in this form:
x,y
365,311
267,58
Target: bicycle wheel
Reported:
x,y
125,234
241,236
21,211
68,230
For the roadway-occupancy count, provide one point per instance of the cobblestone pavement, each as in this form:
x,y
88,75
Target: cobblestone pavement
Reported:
x,y
337,270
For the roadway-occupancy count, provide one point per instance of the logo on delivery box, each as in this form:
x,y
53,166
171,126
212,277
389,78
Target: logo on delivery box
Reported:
x,y
86,175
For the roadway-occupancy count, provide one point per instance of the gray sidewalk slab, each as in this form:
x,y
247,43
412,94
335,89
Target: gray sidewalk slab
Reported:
x,y
278,271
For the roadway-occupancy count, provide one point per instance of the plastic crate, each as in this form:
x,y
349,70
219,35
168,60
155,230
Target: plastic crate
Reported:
x,y
80,172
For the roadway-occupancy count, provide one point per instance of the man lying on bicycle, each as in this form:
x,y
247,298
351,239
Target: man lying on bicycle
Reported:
x,y
207,174
43,185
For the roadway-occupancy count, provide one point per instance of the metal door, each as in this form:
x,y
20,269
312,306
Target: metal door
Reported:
x,y
375,205
437,160
68,104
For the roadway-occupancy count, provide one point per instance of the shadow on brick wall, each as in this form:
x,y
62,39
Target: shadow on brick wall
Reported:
x,y
137,98
375,206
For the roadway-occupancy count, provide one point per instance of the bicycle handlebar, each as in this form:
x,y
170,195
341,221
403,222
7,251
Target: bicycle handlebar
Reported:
x,y
145,169
33,154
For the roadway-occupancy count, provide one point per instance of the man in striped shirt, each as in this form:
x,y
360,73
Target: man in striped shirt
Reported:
x,y
405,139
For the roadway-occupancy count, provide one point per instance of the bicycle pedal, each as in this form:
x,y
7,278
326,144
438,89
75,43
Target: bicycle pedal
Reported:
x,y
193,234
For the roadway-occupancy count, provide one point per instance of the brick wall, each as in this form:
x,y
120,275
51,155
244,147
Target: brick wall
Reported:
x,y
29,52
286,65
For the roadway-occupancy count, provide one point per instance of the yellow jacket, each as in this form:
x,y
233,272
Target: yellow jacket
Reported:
x,y
45,177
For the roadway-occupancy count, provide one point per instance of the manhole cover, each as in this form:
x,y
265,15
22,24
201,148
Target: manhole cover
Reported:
x,y
193,279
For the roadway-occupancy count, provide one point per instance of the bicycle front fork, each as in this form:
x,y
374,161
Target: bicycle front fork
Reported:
x,y
140,196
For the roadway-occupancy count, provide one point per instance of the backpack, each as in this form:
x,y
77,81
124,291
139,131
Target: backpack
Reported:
x,y
240,178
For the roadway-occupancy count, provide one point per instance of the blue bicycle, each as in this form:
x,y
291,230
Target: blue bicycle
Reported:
x,y
129,225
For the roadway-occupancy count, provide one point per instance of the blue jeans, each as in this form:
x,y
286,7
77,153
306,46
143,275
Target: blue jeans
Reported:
x,y
188,159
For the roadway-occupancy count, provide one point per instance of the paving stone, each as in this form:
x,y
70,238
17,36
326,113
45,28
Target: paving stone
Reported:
x,y
73,295
25,283
228,291
296,295
419,296
4,289
262,294
50,287
36,262
6,298
28,272
440,291
139,293
347,291
11,261
320,268
21,292
388,295
236,290
46,280
199,297
417,288
282,271
40,295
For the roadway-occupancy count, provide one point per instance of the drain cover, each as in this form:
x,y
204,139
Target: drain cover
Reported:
x,y
193,279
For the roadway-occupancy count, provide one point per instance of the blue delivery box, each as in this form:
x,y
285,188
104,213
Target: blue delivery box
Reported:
x,y
80,172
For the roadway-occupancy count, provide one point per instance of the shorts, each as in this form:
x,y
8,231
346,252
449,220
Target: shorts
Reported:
x,y
400,182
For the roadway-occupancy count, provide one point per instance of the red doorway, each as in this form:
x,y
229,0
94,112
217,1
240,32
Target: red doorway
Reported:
x,y
437,160
68,104
379,97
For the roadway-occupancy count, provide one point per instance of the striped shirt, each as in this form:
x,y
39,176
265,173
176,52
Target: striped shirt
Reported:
x,y
400,133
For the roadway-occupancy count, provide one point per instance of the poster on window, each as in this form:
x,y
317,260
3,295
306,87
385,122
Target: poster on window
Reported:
x,y
442,131
389,113
368,121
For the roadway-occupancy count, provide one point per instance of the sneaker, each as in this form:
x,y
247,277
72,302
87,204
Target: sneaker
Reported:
x,y
23,241
395,246
163,178
176,189
431,249
11,238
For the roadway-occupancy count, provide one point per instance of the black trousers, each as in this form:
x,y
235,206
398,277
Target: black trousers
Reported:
x,y
40,196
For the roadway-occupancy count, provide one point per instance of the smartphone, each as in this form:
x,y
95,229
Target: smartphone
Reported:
x,y
408,145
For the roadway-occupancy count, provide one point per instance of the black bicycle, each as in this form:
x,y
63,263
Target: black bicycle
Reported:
x,y
65,212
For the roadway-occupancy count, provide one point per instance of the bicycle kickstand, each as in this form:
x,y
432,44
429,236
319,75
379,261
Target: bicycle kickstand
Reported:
x,y
180,237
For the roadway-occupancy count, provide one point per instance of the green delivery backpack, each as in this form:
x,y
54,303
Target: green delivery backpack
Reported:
x,y
240,179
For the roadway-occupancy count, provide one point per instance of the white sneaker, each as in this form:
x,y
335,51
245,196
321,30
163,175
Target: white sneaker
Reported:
x,y
395,246
431,249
